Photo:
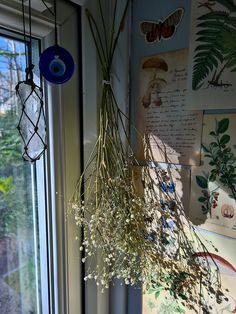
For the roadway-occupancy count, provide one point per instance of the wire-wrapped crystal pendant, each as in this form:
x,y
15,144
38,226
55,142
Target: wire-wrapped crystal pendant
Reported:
x,y
32,122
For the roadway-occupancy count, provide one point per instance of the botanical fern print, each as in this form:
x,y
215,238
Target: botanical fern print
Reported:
x,y
216,49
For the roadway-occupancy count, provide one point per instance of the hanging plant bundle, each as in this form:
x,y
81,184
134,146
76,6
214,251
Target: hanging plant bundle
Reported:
x,y
129,232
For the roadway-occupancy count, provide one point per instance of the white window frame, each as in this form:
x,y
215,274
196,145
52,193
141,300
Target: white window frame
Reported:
x,y
62,159
38,174
64,170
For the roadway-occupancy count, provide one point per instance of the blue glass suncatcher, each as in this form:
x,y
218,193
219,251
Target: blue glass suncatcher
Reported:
x,y
56,64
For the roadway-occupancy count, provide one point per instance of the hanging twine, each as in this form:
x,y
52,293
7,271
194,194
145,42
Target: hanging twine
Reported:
x,y
104,82
32,122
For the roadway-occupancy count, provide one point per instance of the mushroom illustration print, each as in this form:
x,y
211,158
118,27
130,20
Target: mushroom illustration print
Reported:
x,y
154,66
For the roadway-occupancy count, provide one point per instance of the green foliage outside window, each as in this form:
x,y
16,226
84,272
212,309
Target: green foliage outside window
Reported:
x,y
15,200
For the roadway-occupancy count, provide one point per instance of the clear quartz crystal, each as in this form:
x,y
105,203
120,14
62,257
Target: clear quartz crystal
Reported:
x,y
32,124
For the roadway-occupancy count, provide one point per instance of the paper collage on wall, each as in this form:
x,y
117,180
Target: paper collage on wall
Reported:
x,y
174,87
173,133
212,62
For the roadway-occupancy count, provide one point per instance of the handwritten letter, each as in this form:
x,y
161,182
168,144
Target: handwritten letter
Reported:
x,y
173,132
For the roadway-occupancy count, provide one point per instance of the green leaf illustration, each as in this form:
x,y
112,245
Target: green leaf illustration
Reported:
x,y
212,163
229,46
213,144
212,177
224,139
216,51
151,304
212,133
217,15
202,199
222,126
183,296
228,4
202,182
157,294
205,63
179,310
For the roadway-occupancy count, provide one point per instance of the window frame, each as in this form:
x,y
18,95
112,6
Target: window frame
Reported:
x,y
39,201
63,158
61,161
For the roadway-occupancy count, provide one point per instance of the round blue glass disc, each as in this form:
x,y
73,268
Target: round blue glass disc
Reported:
x,y
56,64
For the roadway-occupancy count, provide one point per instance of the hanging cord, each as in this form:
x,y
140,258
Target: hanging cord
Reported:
x,y
29,64
54,13
48,8
29,70
55,22
24,32
55,27
30,34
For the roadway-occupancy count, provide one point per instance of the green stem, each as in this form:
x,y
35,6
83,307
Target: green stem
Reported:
x,y
104,28
98,43
113,27
118,33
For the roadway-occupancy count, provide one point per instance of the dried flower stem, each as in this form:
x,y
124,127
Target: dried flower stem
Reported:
x,y
126,228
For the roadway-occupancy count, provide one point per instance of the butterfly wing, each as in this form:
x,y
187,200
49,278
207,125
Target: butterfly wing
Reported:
x,y
154,31
151,30
170,24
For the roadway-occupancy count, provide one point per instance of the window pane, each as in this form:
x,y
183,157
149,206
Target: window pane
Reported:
x,y
19,247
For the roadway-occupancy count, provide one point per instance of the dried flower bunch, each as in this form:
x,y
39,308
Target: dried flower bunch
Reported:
x,y
130,231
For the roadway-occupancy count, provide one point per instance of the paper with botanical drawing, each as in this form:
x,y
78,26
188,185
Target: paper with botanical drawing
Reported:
x,y
212,58
173,133
213,184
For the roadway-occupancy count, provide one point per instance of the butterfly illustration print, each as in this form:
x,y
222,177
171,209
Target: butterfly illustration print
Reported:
x,y
155,31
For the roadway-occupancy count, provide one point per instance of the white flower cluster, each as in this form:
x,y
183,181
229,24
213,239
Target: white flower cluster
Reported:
x,y
125,232
130,230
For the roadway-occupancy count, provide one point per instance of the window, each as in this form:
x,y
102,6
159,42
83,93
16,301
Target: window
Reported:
x,y
23,250
56,255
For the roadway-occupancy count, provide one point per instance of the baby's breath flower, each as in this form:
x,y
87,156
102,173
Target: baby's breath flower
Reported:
x,y
126,221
